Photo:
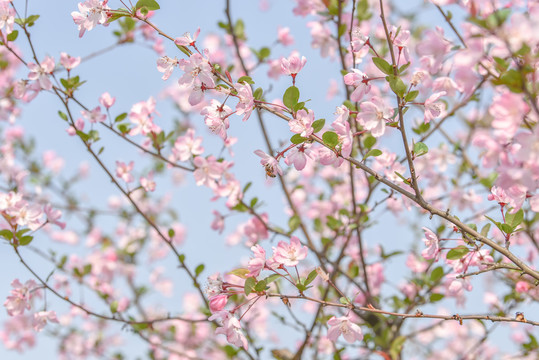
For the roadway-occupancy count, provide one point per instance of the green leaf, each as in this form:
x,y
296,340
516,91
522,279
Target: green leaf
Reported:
x,y
246,79
241,273
260,286
457,253
403,68
396,347
373,152
436,274
383,65
297,139
318,125
485,229
6,234
420,149
291,97
250,283
120,117
258,94
199,269
436,297
514,219
62,115
411,95
344,300
114,307
369,141
299,106
330,138
310,278
397,85
181,258
264,53
139,326
12,35
272,278
294,222
148,4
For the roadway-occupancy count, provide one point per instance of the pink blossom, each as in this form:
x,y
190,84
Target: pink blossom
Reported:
x,y
91,13
25,214
432,243
196,68
41,72
359,81
434,44
358,39
186,39
231,328
292,66
21,296
218,302
284,37
216,118
94,116
42,317
373,116
147,182
298,156
7,17
322,38
166,66
499,195
141,115
289,254
522,287
68,61
256,264
187,146
270,163
207,170
345,327
53,215
246,100
302,123
123,171
218,223
106,100
433,109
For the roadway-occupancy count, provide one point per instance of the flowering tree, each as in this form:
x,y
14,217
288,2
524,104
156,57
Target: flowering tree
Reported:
x,y
414,197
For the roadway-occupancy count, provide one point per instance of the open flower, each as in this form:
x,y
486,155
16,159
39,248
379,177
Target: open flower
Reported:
x,y
345,327
289,254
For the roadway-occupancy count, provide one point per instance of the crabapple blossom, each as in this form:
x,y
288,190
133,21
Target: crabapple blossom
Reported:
x,y
107,100
186,39
359,81
91,13
7,17
147,182
94,116
284,37
166,66
292,66
298,156
289,254
373,116
302,123
187,146
41,72
123,171
21,297
216,118
141,115
257,264
41,319
433,109
270,163
344,326
69,62
433,245
231,328
207,170
218,302
246,102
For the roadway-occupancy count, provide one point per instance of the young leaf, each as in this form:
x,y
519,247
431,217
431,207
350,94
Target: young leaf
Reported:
x,y
297,139
383,65
373,152
310,278
249,285
420,149
246,79
330,138
457,253
241,273
291,97
148,4
318,125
